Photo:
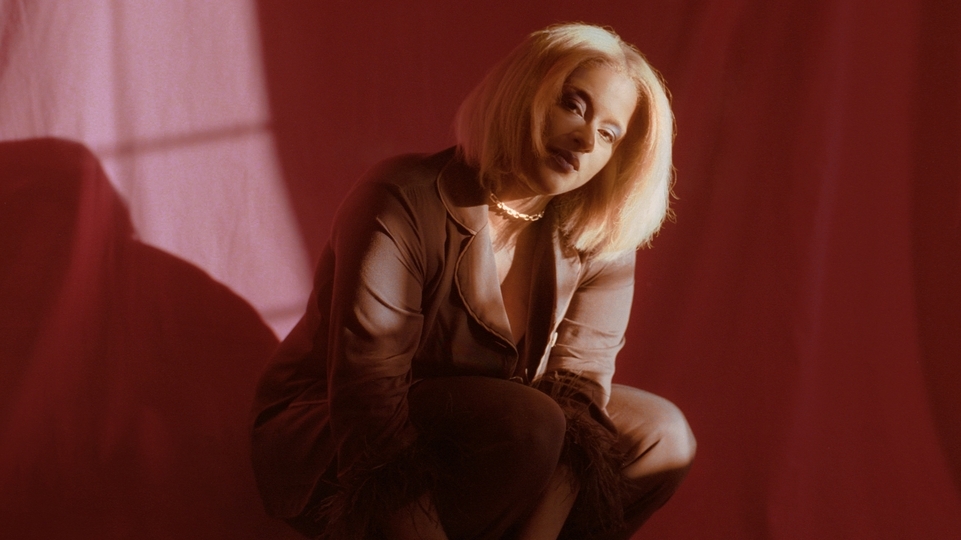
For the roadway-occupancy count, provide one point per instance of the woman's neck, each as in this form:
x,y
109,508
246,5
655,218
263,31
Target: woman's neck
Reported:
x,y
508,224
520,199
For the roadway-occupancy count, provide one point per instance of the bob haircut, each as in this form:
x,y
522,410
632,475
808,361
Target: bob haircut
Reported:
x,y
500,129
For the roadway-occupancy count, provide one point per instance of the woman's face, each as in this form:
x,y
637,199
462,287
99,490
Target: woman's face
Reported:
x,y
584,127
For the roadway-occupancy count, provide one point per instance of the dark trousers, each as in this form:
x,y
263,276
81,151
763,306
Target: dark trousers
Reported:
x,y
498,444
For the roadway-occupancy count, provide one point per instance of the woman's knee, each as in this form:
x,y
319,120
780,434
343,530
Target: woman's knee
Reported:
x,y
535,429
495,415
675,437
495,445
653,431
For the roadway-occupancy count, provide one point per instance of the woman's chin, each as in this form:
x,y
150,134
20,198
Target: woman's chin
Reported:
x,y
550,182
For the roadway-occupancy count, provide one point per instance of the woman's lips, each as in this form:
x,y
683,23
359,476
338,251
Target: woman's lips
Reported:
x,y
566,161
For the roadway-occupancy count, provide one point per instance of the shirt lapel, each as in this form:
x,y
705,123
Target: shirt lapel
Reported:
x,y
475,270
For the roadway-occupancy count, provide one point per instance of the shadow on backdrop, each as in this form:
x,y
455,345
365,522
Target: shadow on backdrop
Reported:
x,y
126,374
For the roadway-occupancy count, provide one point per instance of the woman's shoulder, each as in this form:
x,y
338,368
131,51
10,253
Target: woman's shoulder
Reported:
x,y
610,267
400,189
409,171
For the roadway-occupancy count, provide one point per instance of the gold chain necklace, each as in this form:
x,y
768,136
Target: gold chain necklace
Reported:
x,y
510,212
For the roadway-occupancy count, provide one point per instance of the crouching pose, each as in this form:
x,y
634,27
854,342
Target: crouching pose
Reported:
x,y
451,378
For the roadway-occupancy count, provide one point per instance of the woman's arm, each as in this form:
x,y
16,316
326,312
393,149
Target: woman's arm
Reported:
x,y
578,376
374,329
375,323
591,332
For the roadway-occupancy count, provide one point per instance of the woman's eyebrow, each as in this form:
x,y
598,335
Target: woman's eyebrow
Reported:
x,y
589,104
580,92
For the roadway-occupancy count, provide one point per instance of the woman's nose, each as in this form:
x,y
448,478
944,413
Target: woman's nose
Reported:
x,y
584,138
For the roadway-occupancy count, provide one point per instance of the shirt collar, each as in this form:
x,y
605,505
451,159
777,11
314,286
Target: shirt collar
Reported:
x,y
462,193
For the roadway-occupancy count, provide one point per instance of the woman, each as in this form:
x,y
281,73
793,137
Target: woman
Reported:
x,y
451,377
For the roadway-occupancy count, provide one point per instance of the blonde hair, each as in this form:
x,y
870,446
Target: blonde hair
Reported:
x,y
500,127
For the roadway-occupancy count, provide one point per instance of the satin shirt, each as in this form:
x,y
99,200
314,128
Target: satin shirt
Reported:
x,y
406,289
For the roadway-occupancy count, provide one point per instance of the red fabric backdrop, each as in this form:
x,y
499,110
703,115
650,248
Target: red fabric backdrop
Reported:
x,y
804,308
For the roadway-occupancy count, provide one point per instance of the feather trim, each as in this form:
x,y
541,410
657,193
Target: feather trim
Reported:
x,y
371,493
590,454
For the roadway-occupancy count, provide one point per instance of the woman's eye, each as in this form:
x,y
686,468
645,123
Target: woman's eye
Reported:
x,y
572,105
607,135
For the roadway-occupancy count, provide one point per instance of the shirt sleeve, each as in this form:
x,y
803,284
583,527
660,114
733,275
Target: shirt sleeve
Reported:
x,y
592,331
375,324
